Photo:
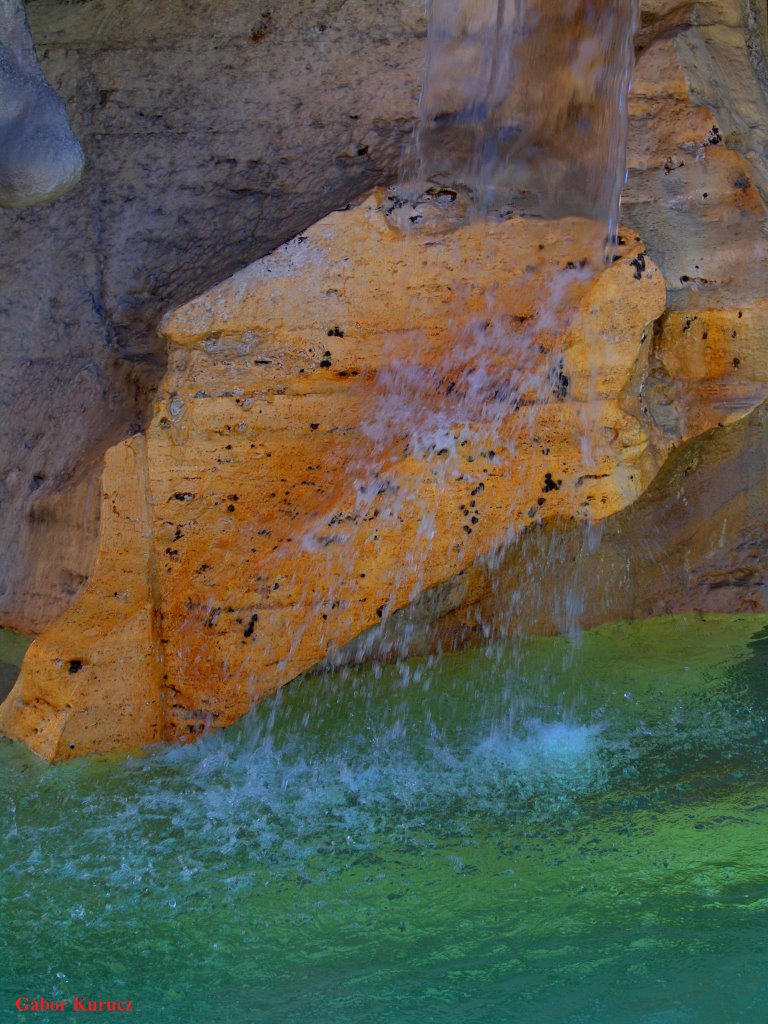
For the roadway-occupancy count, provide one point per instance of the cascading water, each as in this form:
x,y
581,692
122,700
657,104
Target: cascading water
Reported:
x,y
523,114
525,104
549,832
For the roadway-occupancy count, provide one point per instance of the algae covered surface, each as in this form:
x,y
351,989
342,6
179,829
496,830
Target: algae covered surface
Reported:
x,y
564,831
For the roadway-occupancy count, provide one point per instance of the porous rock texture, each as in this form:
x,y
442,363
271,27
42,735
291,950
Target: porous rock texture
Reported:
x,y
347,422
214,131
216,615
375,410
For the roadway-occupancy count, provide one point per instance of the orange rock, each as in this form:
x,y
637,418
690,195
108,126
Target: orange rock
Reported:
x,y
93,680
343,425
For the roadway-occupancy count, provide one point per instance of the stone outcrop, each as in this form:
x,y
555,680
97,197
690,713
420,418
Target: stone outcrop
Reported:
x,y
670,552
213,131
246,124
344,424
197,590
374,412
40,158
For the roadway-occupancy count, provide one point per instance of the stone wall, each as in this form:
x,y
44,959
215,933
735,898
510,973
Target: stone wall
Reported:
x,y
212,131
215,130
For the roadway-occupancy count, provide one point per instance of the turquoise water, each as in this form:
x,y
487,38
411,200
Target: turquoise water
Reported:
x,y
560,833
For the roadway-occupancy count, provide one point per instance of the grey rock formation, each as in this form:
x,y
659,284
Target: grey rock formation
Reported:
x,y
40,158
213,131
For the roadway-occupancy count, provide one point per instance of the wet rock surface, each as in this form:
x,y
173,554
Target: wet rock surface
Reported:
x,y
184,186
344,424
366,424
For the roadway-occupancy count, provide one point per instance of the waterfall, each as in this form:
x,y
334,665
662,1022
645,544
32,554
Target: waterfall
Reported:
x,y
524,104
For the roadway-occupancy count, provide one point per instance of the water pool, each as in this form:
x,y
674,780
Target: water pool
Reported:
x,y
558,832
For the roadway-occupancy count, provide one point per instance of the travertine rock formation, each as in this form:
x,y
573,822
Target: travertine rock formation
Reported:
x,y
670,552
246,123
372,412
344,424
213,131
195,616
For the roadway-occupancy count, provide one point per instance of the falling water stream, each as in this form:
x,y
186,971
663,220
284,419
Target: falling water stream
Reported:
x,y
524,104
561,830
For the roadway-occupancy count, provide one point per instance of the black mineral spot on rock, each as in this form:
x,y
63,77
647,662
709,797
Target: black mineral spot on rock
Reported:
x,y
560,381
714,138
313,426
639,264
74,666
248,631
335,332
230,508
183,496
736,361
380,611
550,484
742,182
325,363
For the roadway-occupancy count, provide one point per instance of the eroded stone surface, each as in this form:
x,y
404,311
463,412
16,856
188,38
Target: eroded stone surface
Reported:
x,y
344,424
93,681
376,412
40,158
247,123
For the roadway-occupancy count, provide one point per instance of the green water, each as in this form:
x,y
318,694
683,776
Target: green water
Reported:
x,y
560,833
